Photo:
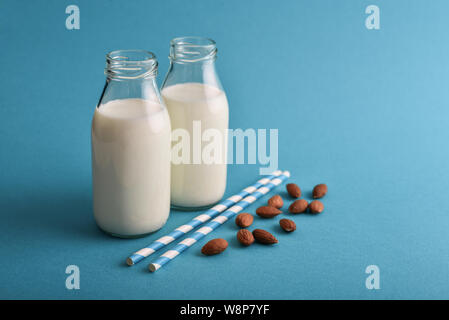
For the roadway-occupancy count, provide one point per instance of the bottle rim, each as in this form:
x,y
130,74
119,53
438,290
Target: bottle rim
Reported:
x,y
192,49
131,64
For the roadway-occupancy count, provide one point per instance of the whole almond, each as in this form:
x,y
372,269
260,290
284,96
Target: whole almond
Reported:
x,y
288,225
316,206
214,246
319,191
268,212
293,190
244,220
264,237
298,206
245,237
276,201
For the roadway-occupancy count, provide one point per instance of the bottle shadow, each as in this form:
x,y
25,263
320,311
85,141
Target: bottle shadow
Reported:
x,y
54,214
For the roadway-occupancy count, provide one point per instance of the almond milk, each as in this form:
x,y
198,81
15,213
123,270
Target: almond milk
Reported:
x,y
131,166
197,185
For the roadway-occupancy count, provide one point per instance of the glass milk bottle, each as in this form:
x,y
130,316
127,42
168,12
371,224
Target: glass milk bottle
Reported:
x,y
198,110
131,148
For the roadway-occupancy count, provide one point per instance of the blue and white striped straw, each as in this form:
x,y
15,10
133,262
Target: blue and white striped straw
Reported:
x,y
215,223
195,222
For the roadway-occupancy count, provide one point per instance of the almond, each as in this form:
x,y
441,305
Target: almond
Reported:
x,y
276,201
215,246
288,225
245,237
293,190
268,212
298,206
264,237
319,191
244,220
316,206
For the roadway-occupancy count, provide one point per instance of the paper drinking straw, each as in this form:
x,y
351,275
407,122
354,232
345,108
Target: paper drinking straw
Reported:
x,y
195,222
215,223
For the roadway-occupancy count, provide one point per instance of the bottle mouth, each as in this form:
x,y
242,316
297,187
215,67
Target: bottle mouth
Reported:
x,y
192,49
131,64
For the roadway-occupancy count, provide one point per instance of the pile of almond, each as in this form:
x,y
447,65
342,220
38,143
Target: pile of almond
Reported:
x,y
273,209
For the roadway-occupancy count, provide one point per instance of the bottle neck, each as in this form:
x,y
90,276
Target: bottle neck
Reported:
x,y
192,59
125,65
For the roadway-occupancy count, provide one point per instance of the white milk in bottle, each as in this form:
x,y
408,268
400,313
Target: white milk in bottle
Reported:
x,y
197,185
131,149
194,98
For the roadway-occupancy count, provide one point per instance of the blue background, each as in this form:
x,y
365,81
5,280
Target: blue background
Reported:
x,y
365,111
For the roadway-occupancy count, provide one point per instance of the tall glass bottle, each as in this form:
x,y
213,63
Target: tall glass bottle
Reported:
x,y
131,148
198,110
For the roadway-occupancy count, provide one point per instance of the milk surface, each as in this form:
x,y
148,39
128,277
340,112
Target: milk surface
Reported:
x,y
131,166
197,185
